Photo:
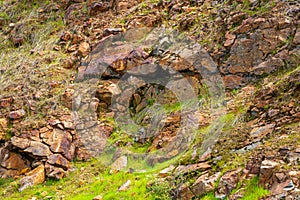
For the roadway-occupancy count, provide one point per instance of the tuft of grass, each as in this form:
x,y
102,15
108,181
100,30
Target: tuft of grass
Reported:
x,y
253,191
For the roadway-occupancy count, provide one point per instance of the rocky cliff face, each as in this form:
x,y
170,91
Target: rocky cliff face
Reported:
x,y
61,98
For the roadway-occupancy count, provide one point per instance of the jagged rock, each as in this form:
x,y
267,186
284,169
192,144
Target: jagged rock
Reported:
x,y
261,132
58,160
65,36
12,164
234,81
98,7
184,192
266,171
193,167
84,48
125,186
3,128
20,142
227,183
17,114
205,184
38,149
33,178
267,67
119,164
54,172
165,172
60,142
114,31
13,161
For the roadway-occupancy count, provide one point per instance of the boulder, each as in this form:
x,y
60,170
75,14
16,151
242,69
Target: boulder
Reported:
x,y
38,149
20,142
54,172
58,160
33,178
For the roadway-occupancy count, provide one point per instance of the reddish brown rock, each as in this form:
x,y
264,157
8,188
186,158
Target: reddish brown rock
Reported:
x,y
60,142
266,171
20,142
66,36
296,40
229,39
54,172
98,7
261,132
227,183
184,192
205,184
233,81
193,167
84,48
33,178
38,149
13,161
58,160
17,114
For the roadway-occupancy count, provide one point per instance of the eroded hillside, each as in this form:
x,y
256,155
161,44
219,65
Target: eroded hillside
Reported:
x,y
149,99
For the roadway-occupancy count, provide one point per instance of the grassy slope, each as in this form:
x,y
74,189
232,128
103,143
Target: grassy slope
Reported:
x,y
91,178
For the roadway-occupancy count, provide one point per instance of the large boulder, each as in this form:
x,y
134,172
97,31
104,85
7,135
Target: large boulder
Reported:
x,y
33,178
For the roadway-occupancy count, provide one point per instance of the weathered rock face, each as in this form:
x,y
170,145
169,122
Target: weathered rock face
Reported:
x,y
250,47
12,164
227,183
205,184
53,145
33,178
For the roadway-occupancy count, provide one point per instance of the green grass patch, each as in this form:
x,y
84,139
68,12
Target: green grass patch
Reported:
x,y
253,191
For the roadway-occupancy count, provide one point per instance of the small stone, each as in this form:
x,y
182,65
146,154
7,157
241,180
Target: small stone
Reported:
x,y
11,25
125,186
17,114
99,197
165,172
84,48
